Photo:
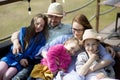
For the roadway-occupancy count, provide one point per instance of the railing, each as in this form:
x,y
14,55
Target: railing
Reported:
x,y
5,38
5,41
98,13
83,6
3,2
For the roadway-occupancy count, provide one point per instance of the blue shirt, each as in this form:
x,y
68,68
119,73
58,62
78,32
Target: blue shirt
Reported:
x,y
54,32
61,39
61,29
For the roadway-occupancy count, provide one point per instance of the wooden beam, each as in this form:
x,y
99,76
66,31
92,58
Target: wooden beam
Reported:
x,y
97,15
52,1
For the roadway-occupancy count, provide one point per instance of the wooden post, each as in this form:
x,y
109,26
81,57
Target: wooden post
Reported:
x,y
53,1
97,15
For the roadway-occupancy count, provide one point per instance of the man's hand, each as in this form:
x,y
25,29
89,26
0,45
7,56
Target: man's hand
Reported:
x,y
16,47
24,62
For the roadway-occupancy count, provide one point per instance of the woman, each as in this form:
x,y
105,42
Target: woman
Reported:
x,y
31,38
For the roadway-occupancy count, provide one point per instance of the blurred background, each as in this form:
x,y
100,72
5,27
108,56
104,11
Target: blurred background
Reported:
x,y
15,15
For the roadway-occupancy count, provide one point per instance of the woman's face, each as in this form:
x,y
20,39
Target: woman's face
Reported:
x,y
39,25
77,30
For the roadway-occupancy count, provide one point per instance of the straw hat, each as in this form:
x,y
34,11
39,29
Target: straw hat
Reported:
x,y
55,9
91,34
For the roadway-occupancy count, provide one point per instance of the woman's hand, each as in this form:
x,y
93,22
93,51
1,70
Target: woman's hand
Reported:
x,y
24,62
16,47
110,50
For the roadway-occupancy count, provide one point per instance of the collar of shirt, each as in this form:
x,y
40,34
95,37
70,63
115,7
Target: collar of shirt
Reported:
x,y
56,27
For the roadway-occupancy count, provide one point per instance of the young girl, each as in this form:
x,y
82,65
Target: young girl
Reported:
x,y
59,56
31,38
88,61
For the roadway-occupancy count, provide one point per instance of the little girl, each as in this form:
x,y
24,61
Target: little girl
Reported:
x,y
31,38
59,57
88,62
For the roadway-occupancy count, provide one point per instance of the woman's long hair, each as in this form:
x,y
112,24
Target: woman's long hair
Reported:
x,y
30,30
82,19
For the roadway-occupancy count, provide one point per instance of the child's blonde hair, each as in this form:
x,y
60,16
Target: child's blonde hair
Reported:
x,y
74,40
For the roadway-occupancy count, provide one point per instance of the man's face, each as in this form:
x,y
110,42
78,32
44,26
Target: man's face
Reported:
x,y
54,20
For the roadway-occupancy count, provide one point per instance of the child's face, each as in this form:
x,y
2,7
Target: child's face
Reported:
x,y
72,48
39,25
91,45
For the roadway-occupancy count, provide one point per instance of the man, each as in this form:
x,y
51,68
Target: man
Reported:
x,y
55,14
